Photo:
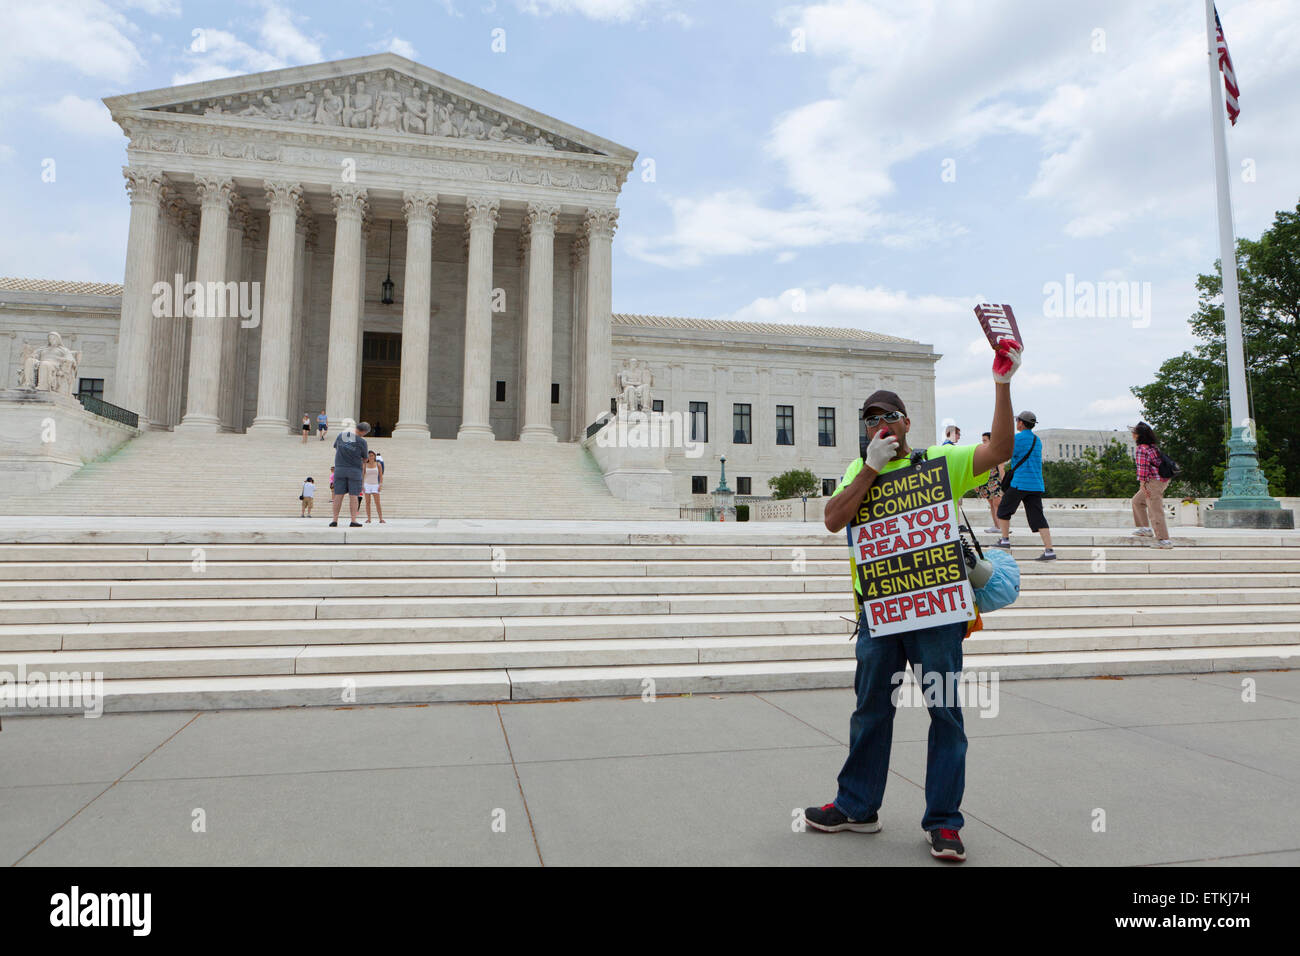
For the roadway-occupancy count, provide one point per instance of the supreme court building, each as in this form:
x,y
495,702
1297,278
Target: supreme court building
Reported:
x,y
384,242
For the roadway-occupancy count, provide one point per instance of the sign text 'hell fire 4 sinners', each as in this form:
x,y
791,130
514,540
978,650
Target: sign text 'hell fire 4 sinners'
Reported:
x,y
907,553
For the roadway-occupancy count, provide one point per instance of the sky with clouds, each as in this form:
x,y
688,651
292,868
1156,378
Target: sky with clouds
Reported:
x,y
880,164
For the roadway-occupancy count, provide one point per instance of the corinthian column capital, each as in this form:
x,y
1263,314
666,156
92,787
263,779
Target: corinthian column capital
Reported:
x,y
418,205
283,197
215,191
600,223
144,183
348,200
542,218
482,211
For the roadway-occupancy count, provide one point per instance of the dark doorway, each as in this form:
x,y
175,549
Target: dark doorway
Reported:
x,y
381,376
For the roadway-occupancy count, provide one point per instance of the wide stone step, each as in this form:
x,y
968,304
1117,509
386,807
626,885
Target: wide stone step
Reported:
x,y
150,663
647,681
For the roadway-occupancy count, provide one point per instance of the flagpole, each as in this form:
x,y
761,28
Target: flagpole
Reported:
x,y
1244,501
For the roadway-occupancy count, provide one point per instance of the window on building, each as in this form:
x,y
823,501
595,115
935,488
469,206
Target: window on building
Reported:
x,y
785,424
501,391
699,484
555,393
658,405
743,485
826,427
740,425
699,421
94,387
828,487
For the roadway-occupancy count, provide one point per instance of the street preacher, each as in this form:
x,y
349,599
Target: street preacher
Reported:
x,y
898,510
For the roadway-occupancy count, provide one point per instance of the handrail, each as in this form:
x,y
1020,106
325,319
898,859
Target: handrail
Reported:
x,y
97,406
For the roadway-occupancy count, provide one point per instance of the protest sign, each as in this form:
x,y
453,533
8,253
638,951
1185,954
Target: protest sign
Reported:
x,y
907,552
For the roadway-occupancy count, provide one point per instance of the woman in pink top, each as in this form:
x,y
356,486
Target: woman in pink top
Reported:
x,y
1148,503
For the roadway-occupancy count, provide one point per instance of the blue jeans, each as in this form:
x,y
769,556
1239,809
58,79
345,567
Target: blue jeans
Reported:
x,y
871,729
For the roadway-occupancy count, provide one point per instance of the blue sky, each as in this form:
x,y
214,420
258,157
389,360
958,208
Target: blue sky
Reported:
x,y
865,163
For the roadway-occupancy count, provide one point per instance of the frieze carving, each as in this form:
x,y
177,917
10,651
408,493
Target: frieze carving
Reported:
x,y
386,102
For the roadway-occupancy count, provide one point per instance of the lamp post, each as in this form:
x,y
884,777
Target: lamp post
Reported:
x,y
724,498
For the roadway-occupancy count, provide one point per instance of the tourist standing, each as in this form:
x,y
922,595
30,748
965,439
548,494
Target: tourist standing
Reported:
x,y
306,427
372,483
1027,486
1148,503
350,453
331,479
308,497
935,650
991,490
322,424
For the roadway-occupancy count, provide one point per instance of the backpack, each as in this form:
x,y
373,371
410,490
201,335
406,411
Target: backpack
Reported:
x,y
1168,468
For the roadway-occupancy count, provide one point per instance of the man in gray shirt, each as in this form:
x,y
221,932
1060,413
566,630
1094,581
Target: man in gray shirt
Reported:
x,y
350,453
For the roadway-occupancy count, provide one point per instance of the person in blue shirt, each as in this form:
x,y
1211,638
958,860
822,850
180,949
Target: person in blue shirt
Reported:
x,y
1026,468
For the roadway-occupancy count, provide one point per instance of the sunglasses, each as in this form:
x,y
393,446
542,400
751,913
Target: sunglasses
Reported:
x,y
889,417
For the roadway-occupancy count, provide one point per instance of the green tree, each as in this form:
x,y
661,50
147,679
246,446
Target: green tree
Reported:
x,y
1187,404
794,484
1063,479
1110,474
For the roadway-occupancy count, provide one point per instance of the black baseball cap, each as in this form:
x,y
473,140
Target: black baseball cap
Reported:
x,y
883,399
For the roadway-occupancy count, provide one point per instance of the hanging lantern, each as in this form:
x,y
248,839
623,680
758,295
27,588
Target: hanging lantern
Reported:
x,y
386,295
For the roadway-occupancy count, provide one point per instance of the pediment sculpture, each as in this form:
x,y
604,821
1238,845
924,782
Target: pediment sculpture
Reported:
x,y
49,368
399,104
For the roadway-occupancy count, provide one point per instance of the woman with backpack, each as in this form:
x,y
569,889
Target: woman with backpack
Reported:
x,y
1148,503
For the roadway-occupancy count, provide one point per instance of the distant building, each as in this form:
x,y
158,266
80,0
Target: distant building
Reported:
x,y
1069,444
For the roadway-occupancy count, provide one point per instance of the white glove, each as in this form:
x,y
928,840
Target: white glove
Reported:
x,y
1006,353
881,451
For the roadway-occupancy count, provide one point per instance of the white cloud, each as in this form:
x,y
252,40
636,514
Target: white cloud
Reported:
x,y
82,117
605,10
395,45
222,54
86,36
156,8
1119,405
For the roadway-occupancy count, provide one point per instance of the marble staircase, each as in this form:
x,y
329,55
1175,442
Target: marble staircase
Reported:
x,y
483,611
166,473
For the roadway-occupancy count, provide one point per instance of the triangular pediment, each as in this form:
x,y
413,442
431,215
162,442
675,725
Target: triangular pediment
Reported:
x,y
381,94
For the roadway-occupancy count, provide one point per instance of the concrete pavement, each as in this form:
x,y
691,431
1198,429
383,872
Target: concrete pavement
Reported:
x,y
1183,768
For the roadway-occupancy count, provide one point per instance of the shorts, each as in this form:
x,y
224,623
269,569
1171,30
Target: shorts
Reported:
x,y
306,429
370,489
347,485
1033,500
991,488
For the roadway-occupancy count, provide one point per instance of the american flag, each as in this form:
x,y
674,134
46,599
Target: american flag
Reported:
x,y
1229,77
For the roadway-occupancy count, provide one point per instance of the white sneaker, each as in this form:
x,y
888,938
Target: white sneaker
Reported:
x,y
1164,544
1145,533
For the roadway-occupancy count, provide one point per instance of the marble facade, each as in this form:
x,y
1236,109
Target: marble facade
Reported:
x,y
290,183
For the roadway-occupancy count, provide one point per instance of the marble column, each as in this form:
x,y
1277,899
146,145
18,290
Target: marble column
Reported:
x,y
165,325
578,362
202,411
421,210
304,243
599,227
342,369
481,218
236,229
189,229
540,220
277,309
129,387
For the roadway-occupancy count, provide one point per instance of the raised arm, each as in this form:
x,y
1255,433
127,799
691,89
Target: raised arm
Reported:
x,y
1002,436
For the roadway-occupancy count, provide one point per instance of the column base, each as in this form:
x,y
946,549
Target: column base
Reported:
x,y
199,423
411,431
269,426
1273,519
538,433
475,433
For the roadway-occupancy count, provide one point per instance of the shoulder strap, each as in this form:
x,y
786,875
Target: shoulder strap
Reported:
x,y
1026,454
